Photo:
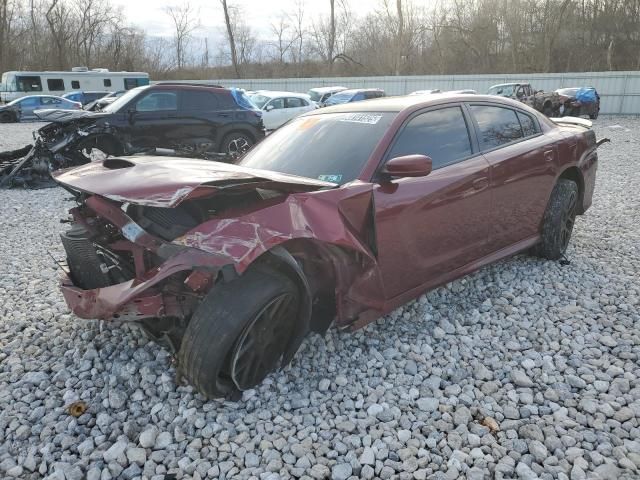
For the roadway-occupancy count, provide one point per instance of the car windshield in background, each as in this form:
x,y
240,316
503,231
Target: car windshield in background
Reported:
x,y
504,90
259,100
339,98
332,147
315,96
121,101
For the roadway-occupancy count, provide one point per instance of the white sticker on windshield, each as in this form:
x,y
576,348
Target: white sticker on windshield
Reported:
x,y
362,118
330,178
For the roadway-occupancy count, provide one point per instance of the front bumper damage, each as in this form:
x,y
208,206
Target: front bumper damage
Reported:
x,y
147,295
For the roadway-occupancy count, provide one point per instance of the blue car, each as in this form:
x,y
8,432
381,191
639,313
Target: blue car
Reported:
x,y
84,97
23,108
355,95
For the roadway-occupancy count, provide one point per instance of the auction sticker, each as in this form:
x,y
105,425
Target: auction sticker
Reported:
x,y
330,178
362,118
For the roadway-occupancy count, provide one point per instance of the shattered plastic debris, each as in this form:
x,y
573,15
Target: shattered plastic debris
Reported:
x,y
76,409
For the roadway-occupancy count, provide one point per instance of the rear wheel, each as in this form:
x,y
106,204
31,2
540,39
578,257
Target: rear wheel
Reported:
x,y
239,333
558,221
594,114
236,143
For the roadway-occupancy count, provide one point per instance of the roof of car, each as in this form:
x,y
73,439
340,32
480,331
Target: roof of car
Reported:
x,y
275,94
397,104
327,89
507,84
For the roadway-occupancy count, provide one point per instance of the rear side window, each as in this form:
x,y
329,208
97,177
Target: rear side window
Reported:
x,y
199,101
55,84
441,134
107,82
293,102
498,126
75,84
529,125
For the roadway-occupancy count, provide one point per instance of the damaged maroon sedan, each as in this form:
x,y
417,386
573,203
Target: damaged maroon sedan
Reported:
x,y
339,217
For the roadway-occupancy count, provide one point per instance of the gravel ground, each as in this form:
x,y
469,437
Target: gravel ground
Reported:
x,y
525,369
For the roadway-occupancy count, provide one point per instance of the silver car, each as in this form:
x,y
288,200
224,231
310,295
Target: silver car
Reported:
x,y
23,108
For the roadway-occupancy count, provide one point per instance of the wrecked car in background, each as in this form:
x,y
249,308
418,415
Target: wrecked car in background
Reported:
x,y
579,101
24,108
231,265
548,103
193,120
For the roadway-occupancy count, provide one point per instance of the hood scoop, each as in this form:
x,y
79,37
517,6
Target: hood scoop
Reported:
x,y
117,163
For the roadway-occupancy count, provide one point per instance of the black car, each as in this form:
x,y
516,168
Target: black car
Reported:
x,y
183,117
578,101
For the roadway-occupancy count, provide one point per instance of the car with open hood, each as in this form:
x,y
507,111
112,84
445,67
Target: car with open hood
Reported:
x,y
337,218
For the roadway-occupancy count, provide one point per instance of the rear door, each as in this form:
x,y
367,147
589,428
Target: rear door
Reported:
x,y
427,227
153,119
523,165
199,118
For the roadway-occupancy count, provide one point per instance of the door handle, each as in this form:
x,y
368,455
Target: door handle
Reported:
x,y
480,183
548,156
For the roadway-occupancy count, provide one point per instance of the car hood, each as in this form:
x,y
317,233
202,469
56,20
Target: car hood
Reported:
x,y
61,116
168,181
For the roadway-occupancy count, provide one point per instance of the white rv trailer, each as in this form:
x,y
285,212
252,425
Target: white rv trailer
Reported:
x,y
19,84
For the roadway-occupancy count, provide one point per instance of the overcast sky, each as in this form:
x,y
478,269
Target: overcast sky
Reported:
x,y
151,14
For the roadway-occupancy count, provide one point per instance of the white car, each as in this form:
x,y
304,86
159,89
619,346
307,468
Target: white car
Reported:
x,y
320,94
425,92
280,107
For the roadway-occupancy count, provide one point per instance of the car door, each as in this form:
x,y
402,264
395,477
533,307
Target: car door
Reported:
x,y
296,106
523,165
153,118
426,227
274,113
199,118
27,107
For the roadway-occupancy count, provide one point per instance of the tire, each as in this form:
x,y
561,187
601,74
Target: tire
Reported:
x,y
6,117
558,220
594,115
236,143
84,263
217,344
547,109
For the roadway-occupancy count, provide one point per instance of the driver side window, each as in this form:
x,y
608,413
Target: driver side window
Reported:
x,y
158,101
440,134
276,103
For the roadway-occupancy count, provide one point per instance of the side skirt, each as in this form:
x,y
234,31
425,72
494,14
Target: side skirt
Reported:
x,y
409,295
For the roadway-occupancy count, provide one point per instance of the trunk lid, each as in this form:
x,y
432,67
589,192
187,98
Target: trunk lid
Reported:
x,y
168,181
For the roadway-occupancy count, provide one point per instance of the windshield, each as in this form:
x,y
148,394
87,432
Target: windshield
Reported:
x,y
315,96
120,102
332,147
259,100
340,97
503,90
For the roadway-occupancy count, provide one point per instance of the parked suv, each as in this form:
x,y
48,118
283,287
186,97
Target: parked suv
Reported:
x,y
183,117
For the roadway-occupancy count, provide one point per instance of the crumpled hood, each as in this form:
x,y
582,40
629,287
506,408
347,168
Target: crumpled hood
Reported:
x,y
61,116
168,181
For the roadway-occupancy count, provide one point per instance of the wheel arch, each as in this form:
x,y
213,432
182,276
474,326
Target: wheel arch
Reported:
x,y
574,174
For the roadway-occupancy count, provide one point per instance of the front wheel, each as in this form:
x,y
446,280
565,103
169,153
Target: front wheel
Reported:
x,y
239,333
558,221
6,117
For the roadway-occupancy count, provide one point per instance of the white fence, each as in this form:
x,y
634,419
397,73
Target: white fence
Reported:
x,y
619,91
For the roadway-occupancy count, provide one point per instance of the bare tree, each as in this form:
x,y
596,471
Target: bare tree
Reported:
x,y
231,38
185,22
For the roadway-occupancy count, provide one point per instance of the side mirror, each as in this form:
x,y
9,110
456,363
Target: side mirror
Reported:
x,y
268,108
408,166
